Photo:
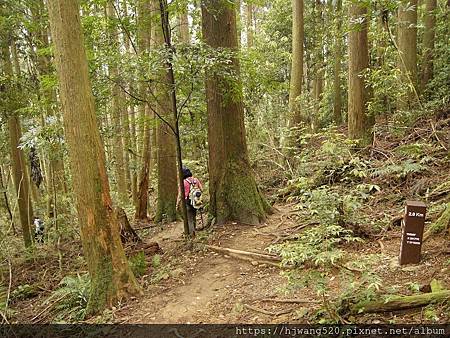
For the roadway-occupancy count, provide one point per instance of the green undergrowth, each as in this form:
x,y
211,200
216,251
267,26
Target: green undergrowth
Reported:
x,y
345,194
69,301
138,264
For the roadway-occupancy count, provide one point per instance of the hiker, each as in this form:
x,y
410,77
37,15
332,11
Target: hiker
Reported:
x,y
193,197
39,229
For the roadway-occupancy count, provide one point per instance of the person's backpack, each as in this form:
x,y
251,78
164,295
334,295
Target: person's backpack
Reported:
x,y
195,193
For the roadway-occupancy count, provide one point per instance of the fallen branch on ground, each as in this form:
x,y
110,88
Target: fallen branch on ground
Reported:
x,y
248,256
267,312
401,302
256,255
290,301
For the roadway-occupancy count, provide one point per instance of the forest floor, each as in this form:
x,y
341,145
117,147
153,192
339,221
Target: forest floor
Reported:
x,y
190,283
202,286
197,285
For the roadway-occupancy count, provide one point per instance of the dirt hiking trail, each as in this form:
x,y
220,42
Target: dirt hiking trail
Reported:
x,y
202,286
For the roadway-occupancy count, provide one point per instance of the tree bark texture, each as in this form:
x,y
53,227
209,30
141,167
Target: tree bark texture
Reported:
x,y
19,170
249,24
407,49
234,195
428,41
295,89
337,91
111,277
166,142
117,110
143,132
357,65
183,19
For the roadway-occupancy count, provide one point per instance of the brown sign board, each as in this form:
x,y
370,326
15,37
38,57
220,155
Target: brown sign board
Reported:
x,y
412,232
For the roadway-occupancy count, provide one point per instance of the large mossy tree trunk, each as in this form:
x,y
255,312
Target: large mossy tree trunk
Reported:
x,y
295,86
407,50
166,209
358,63
234,194
111,277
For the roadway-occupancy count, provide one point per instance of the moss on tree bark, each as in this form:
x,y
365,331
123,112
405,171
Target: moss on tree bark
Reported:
x,y
234,195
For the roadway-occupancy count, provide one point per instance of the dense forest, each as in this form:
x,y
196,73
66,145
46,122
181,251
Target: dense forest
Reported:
x,y
223,161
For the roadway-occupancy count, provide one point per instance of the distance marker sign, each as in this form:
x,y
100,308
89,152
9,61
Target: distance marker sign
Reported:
x,y
412,232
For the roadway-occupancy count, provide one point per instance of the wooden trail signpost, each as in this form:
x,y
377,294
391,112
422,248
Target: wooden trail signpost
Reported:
x,y
412,232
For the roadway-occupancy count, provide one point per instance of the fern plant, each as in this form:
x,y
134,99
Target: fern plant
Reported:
x,y
319,245
71,298
402,170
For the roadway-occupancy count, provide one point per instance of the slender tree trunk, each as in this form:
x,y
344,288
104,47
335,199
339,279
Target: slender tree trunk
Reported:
x,y
337,92
319,68
21,181
117,110
407,48
183,19
173,99
55,179
166,142
133,158
358,63
111,277
129,123
428,41
234,195
4,189
18,163
238,22
297,62
249,25
142,195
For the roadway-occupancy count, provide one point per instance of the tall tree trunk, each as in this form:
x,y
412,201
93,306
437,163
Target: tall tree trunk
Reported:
x,y
6,206
183,19
144,38
21,180
357,64
129,122
297,62
249,24
234,195
407,48
239,22
55,179
337,92
166,151
165,26
111,277
428,41
117,110
319,68
133,158
20,177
